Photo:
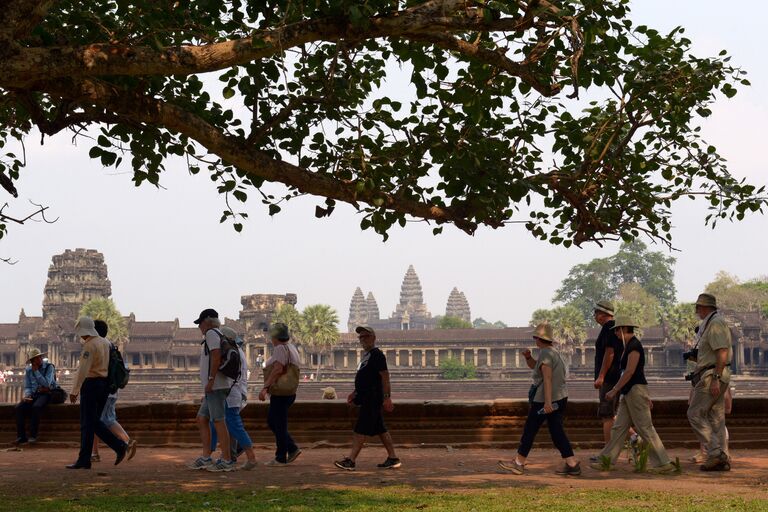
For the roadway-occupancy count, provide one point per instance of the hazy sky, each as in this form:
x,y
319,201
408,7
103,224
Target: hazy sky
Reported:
x,y
169,257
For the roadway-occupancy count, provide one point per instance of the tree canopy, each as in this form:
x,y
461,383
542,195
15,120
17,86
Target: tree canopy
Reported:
x,y
453,322
562,116
602,278
734,294
104,309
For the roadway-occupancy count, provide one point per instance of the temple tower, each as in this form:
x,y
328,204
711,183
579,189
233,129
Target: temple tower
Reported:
x,y
371,307
258,310
458,306
74,278
358,310
412,303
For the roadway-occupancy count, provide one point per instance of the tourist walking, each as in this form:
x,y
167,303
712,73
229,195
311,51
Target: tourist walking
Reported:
x,y
281,380
608,351
216,387
372,395
39,380
92,387
548,398
109,415
237,399
635,404
711,377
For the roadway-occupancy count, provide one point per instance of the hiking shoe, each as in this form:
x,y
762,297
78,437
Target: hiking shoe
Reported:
x,y
274,463
292,456
131,449
512,466
95,458
248,466
390,463
345,463
222,466
717,463
201,463
599,466
666,469
567,470
21,440
32,440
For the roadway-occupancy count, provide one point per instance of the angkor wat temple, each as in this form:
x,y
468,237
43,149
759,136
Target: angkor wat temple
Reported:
x,y
412,346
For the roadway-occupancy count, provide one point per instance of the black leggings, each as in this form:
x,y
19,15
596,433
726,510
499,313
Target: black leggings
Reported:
x,y
554,422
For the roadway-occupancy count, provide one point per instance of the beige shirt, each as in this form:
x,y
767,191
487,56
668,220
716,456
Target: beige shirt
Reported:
x,y
94,361
715,337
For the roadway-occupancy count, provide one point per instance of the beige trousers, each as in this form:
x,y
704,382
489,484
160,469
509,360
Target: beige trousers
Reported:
x,y
707,416
635,411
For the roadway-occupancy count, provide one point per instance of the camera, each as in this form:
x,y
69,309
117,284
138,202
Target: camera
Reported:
x,y
691,355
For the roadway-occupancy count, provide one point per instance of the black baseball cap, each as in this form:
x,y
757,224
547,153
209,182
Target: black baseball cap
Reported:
x,y
206,313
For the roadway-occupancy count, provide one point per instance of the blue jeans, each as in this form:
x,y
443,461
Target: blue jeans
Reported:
x,y
236,429
93,397
277,419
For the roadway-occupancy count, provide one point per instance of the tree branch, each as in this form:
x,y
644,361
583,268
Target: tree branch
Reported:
x,y
238,152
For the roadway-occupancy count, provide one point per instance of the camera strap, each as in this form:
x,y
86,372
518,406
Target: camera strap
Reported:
x,y
698,340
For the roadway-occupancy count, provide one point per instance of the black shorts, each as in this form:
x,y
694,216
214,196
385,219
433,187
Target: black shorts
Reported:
x,y
607,408
370,420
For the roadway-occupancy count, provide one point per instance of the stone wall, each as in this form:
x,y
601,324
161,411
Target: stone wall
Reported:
x,y
416,423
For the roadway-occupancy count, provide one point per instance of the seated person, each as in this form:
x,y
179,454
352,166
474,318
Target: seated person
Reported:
x,y
39,380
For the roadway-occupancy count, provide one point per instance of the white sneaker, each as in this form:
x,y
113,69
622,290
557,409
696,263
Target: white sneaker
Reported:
x,y
275,463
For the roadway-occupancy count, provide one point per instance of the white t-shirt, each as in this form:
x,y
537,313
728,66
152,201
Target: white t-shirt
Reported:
x,y
284,354
239,394
213,342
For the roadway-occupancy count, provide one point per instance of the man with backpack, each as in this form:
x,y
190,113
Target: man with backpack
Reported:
x,y
109,415
216,386
92,384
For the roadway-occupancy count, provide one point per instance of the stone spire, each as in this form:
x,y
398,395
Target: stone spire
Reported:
x,y
358,310
410,291
371,307
74,278
458,306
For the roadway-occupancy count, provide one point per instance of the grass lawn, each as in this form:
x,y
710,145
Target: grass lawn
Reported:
x,y
389,499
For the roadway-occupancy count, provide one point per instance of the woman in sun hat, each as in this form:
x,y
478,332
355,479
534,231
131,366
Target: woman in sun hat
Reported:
x,y
548,398
635,404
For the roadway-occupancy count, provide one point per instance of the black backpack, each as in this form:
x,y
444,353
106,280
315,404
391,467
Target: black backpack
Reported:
x,y
118,374
230,357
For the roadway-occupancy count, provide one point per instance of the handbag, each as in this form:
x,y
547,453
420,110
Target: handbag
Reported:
x,y
58,395
287,383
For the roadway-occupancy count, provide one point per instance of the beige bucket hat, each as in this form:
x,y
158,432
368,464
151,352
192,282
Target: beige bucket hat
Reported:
x,y
544,333
625,321
33,353
85,327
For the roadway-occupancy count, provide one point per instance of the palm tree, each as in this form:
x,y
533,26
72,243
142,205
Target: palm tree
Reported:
x,y
319,330
104,309
288,315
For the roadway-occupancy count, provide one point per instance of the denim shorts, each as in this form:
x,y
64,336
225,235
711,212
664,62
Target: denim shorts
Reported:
x,y
108,415
214,405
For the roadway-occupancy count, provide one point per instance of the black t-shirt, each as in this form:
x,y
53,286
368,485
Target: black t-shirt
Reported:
x,y
605,339
368,385
638,377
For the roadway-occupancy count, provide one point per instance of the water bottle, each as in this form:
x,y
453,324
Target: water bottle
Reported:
x,y
555,406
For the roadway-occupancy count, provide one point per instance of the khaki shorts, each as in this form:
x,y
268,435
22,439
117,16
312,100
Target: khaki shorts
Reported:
x,y
214,405
607,408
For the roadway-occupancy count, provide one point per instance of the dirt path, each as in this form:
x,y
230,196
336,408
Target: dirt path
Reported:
x,y
163,470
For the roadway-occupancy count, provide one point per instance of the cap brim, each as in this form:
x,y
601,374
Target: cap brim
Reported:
x,y
603,310
359,330
198,321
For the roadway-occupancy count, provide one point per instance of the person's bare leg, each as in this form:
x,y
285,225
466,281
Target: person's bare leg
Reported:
x,y
386,440
95,449
357,444
205,434
120,432
607,426
223,434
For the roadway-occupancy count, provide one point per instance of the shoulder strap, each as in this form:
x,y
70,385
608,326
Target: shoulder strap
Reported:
x,y
704,330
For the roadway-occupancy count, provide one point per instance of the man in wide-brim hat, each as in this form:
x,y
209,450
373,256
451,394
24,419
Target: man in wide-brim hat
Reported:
x,y
39,380
608,350
706,412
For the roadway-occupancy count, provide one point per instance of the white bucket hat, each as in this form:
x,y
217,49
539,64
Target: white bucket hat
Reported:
x,y
85,327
